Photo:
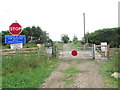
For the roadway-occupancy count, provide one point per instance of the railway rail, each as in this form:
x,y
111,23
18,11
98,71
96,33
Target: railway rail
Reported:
x,y
20,51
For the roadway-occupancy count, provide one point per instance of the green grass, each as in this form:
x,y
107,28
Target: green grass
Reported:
x,y
26,71
108,68
70,76
0,82
110,82
71,71
30,78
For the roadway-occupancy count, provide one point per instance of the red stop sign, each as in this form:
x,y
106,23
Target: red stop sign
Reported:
x,y
15,29
74,53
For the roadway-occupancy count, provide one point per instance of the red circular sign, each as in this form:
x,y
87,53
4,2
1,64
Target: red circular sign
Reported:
x,y
74,53
15,29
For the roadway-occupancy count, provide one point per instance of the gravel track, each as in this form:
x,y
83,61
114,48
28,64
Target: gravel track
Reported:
x,y
88,76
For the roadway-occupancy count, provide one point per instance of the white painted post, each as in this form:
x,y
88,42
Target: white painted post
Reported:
x,y
103,48
106,51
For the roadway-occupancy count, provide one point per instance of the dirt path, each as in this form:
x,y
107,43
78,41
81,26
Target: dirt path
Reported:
x,y
89,76
75,72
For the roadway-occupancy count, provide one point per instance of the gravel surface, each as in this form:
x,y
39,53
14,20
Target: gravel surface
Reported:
x,y
87,77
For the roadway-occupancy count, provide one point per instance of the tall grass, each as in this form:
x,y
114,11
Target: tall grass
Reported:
x,y
109,67
113,63
20,62
26,70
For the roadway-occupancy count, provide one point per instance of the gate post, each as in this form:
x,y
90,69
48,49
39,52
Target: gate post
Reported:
x,y
108,52
106,47
93,51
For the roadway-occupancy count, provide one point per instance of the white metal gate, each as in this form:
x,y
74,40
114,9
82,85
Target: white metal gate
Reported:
x,y
83,52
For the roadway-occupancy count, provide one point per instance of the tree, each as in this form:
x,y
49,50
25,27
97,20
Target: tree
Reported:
x,y
28,33
65,38
3,33
109,35
33,34
75,38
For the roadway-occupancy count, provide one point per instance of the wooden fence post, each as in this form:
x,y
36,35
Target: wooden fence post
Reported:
x,y
93,51
56,52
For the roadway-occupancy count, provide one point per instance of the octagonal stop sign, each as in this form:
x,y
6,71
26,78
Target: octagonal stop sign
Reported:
x,y
15,29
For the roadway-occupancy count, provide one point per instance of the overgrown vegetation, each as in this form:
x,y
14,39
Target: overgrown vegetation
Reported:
x,y
113,63
109,68
26,70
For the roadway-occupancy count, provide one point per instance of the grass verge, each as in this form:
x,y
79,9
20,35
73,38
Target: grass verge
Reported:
x,y
110,82
108,68
26,71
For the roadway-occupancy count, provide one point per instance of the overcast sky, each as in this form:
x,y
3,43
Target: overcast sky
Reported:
x,y
60,16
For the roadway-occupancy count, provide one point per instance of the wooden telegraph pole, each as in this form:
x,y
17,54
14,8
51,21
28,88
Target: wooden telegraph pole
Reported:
x,y
84,27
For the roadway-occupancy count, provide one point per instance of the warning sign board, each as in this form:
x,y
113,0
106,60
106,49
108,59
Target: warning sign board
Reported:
x,y
16,46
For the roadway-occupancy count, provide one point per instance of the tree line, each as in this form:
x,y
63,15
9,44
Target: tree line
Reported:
x,y
37,35
109,35
33,34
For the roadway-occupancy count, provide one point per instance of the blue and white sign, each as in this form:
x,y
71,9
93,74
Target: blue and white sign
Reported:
x,y
15,39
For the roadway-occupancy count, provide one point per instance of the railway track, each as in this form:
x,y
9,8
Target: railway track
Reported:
x,y
20,51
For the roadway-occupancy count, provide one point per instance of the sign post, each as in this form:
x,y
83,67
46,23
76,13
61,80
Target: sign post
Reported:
x,y
48,45
15,39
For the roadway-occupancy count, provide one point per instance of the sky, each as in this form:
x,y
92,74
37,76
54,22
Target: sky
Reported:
x,y
59,17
